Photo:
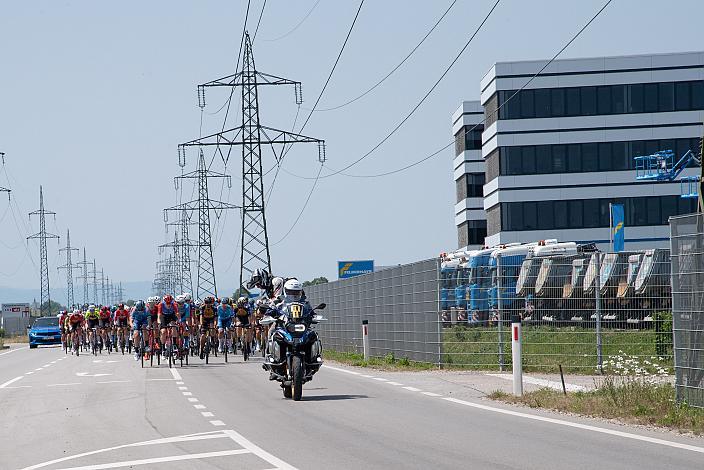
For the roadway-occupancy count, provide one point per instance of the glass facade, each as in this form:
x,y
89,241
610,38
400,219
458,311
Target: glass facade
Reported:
x,y
599,100
585,157
467,139
591,213
471,232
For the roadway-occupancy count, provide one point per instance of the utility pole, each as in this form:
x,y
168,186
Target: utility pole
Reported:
x,y
69,270
203,205
84,264
42,236
94,274
251,135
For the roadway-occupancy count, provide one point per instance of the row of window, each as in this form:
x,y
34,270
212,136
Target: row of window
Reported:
x,y
470,185
586,157
591,213
471,232
607,99
467,139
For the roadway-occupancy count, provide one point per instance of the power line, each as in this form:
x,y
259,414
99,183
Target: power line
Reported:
x,y
483,121
261,13
315,183
297,25
398,66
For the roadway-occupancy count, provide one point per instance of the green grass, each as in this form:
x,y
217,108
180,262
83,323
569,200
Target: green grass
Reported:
x,y
545,347
631,400
388,362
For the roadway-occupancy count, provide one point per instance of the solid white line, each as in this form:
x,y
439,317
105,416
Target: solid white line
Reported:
x,y
11,381
172,458
379,379
585,427
193,400
217,422
167,440
543,382
187,394
199,407
20,386
154,380
29,373
431,394
176,375
412,389
367,376
207,414
258,451
342,370
394,383
113,382
13,350
61,385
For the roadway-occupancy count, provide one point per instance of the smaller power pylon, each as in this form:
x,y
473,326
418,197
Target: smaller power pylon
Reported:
x,y
84,277
69,269
94,283
42,236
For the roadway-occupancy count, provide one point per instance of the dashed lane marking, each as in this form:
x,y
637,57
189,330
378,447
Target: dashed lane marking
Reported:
x,y
394,383
183,388
193,400
217,422
187,394
431,394
113,382
64,385
380,379
199,407
207,414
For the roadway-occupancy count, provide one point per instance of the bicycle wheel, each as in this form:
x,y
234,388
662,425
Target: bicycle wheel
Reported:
x,y
141,347
170,349
225,343
152,345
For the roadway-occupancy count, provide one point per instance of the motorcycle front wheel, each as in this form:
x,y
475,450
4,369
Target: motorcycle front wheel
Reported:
x,y
297,365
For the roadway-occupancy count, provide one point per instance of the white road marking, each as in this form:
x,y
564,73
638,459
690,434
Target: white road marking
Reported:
x,y
176,375
585,427
172,458
46,365
155,380
20,386
193,400
54,362
98,361
258,451
394,383
61,385
14,350
543,382
166,440
380,379
185,388
86,374
179,383
343,370
199,407
217,422
412,389
11,381
207,414
113,382
38,368
188,394
29,373
431,394
365,376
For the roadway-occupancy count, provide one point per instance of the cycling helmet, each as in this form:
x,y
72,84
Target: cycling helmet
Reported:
x,y
62,312
77,311
105,309
139,305
168,299
91,307
293,288
187,297
209,300
121,306
226,301
180,299
242,301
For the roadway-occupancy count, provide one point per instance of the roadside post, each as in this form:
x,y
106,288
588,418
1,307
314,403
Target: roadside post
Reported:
x,y
500,313
516,355
365,338
597,312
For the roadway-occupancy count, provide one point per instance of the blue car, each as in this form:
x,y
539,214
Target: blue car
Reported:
x,y
44,330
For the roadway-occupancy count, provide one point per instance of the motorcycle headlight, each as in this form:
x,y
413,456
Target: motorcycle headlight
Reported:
x,y
296,328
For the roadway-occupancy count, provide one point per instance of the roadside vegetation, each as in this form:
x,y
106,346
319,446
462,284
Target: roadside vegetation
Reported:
x,y
388,362
633,391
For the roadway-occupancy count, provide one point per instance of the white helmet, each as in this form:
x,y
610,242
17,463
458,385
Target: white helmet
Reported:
x,y
187,297
293,288
180,299
91,307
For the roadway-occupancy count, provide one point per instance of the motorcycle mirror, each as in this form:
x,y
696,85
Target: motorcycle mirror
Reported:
x,y
267,320
321,306
318,318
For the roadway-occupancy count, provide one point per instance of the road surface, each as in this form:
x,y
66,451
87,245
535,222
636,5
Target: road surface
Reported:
x,y
65,412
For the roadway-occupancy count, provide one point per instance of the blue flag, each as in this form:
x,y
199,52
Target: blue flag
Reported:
x,y
618,225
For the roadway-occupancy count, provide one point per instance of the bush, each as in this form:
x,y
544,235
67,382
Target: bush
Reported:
x,y
2,332
663,333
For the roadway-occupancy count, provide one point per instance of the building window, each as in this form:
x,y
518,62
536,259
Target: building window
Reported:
x,y
586,157
475,184
591,213
469,138
471,232
590,100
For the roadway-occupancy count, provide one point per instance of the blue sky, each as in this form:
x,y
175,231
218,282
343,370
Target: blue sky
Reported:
x,y
96,96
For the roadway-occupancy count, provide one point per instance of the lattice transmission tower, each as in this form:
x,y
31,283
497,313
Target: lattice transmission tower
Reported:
x,y
84,265
42,236
69,269
251,135
206,285
94,282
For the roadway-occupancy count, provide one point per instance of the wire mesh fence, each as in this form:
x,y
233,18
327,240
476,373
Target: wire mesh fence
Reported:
x,y
579,308
687,241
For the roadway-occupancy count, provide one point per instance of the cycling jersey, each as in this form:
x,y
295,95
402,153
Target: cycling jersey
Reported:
x,y
74,318
62,320
121,314
105,315
139,315
207,312
92,315
225,311
185,312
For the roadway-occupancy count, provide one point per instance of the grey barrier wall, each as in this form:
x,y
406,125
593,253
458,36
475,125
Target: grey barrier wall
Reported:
x,y
687,239
400,303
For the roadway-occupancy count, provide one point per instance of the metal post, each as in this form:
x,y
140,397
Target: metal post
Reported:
x,y
365,338
438,275
516,354
502,364
597,299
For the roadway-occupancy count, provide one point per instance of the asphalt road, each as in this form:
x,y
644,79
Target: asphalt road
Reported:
x,y
63,412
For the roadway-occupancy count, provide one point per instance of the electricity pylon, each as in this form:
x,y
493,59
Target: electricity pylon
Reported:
x,y
69,270
120,293
42,236
183,244
102,286
84,264
251,135
94,283
203,206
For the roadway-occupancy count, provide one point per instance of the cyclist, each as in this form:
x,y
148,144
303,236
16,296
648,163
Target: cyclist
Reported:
x,y
225,314
74,322
62,326
168,311
243,313
153,307
92,317
122,316
105,324
139,319
207,315
184,319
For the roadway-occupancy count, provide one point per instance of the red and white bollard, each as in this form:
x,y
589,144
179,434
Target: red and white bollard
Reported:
x,y
365,338
516,356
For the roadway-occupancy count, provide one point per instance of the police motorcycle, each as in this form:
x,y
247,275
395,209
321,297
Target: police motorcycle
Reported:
x,y
294,350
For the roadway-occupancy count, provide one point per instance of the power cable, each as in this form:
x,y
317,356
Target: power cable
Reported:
x,y
261,13
398,66
315,183
297,25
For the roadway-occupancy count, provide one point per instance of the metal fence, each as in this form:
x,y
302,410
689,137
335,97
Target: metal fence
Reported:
x,y
687,238
580,310
14,325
